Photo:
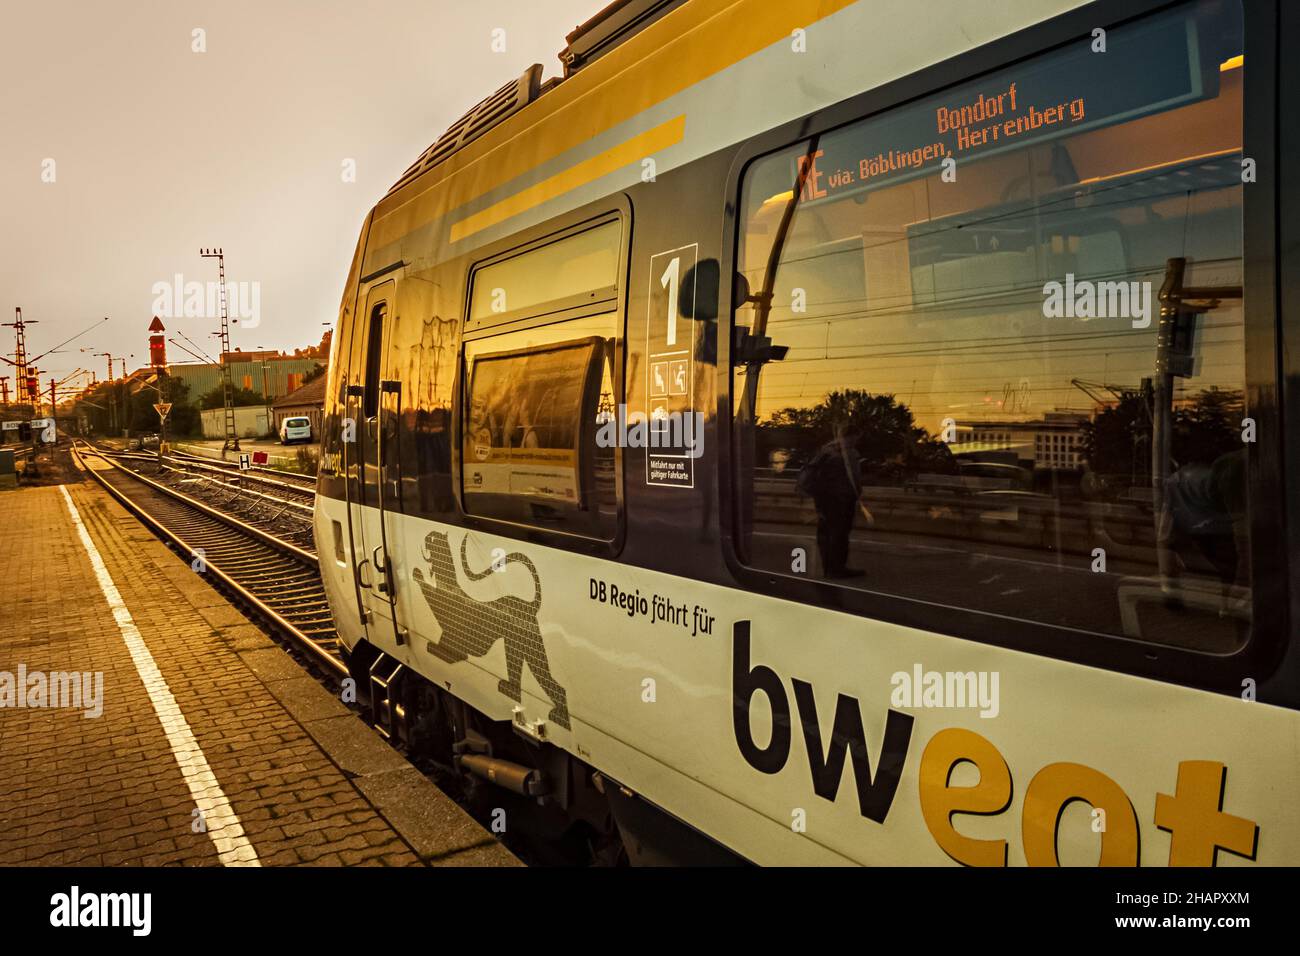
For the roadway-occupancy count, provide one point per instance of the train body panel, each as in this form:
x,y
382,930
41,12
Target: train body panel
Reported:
x,y
795,720
670,711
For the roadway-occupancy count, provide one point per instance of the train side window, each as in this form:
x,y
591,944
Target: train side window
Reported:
x,y
374,359
548,278
952,380
536,392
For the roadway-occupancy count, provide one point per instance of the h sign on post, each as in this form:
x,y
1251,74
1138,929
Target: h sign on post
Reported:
x,y
245,462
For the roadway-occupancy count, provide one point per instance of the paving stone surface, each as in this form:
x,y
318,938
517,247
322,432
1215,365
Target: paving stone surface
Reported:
x,y
308,781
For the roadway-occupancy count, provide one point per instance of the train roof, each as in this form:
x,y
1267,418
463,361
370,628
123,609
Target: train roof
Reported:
x,y
611,26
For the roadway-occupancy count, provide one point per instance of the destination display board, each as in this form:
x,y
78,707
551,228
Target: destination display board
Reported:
x,y
1147,68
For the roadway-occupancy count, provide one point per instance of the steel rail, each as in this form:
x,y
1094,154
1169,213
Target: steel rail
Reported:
x,y
304,509
179,460
319,653
285,477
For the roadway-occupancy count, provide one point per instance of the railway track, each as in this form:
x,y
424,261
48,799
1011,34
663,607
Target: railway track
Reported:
x,y
282,484
278,579
247,556
270,474
284,510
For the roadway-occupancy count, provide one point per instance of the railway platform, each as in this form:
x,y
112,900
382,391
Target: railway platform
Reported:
x,y
144,720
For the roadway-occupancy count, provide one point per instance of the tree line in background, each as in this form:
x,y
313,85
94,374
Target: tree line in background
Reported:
x,y
1205,427
104,413
1116,443
892,445
110,407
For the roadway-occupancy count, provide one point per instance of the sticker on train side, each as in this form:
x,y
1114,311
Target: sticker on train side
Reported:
x,y
670,367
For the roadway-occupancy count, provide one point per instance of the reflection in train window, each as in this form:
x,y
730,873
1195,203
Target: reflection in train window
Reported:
x,y
952,381
374,359
559,274
534,400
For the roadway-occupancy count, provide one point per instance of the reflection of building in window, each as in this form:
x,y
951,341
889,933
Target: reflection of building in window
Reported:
x,y
1053,441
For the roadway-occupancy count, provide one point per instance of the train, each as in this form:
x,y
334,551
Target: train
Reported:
x,y
835,432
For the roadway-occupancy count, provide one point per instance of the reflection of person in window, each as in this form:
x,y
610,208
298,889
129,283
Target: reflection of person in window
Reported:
x,y
1204,520
834,480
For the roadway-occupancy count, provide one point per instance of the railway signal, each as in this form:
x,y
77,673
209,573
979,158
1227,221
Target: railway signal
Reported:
x,y
157,344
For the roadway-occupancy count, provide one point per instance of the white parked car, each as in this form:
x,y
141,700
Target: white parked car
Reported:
x,y
295,429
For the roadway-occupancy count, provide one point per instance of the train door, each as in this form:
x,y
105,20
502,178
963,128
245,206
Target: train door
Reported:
x,y
376,433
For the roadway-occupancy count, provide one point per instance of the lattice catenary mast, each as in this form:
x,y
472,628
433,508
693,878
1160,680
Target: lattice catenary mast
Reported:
x,y
26,389
227,389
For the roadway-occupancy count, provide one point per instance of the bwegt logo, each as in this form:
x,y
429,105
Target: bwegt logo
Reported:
x,y
74,690
662,429
202,300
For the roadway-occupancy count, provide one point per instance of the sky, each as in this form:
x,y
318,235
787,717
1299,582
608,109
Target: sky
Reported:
x,y
125,149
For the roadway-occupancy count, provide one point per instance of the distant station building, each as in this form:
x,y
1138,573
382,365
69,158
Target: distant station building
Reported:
x,y
270,374
1053,442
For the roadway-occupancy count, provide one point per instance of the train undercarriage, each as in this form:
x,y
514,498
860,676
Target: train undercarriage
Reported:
x,y
559,808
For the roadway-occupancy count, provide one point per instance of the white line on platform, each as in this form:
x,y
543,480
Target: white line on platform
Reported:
x,y
223,826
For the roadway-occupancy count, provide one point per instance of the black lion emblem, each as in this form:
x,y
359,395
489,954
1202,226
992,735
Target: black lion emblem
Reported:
x,y
470,627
